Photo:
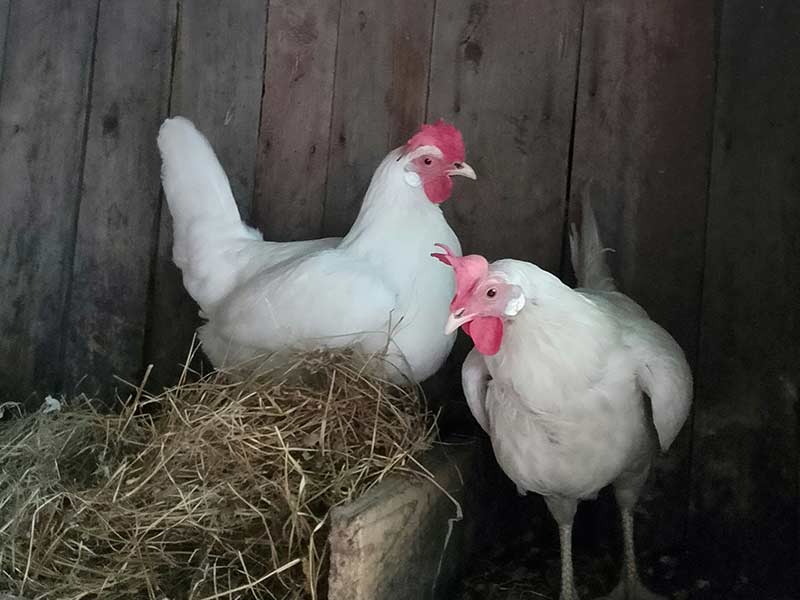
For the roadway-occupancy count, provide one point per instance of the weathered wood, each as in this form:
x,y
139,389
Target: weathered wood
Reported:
x,y
42,123
505,73
217,81
296,118
219,69
403,540
5,10
379,100
744,523
641,147
118,219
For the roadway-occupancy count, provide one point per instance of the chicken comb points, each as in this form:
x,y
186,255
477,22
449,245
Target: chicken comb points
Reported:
x,y
442,135
469,271
443,257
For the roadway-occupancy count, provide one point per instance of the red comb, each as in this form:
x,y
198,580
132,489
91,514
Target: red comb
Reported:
x,y
469,271
442,135
446,257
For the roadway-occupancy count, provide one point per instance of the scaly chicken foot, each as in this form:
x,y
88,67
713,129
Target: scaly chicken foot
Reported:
x,y
568,591
563,511
630,586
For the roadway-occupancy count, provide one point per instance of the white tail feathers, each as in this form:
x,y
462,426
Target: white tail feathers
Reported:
x,y
194,182
206,221
588,254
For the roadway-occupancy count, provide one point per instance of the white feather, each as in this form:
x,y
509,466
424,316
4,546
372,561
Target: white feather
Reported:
x,y
475,380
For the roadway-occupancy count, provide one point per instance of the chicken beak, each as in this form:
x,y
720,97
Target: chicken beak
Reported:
x,y
464,170
454,322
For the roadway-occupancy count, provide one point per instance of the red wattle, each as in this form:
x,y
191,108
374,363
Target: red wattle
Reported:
x,y
438,189
486,332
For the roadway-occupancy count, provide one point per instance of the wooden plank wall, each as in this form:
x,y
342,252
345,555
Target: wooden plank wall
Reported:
x,y
678,120
746,426
47,78
116,233
5,7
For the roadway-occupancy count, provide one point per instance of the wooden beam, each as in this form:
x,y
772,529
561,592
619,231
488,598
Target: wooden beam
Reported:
x,y
406,539
46,82
744,526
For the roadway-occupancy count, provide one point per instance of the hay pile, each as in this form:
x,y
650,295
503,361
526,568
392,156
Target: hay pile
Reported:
x,y
214,489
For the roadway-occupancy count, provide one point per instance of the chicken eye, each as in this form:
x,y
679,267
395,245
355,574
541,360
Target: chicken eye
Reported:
x,y
427,161
491,292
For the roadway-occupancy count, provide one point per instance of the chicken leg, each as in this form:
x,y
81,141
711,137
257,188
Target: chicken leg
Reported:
x,y
563,511
630,586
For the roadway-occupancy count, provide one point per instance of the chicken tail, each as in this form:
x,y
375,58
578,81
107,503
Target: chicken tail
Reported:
x,y
587,252
207,227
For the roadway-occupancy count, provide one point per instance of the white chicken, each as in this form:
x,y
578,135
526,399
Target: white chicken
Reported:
x,y
376,289
559,379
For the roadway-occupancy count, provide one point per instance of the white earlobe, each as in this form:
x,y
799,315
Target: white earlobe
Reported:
x,y
412,179
516,304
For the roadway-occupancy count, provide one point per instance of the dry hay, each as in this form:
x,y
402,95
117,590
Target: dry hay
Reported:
x,y
214,489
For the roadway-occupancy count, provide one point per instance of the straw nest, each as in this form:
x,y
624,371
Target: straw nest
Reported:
x,y
214,489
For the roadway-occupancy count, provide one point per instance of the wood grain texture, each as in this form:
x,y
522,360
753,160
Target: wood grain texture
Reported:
x,y
745,463
118,219
641,148
401,539
505,73
5,11
296,121
42,121
379,98
217,83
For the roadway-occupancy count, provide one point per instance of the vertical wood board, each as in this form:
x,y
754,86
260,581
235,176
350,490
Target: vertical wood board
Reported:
x,y
379,98
745,464
42,122
5,11
296,116
118,219
505,73
217,83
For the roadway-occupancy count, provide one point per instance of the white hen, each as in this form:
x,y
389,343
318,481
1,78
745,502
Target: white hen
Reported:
x,y
262,298
559,379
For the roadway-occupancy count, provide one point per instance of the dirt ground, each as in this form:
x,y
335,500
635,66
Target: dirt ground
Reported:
x,y
522,560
